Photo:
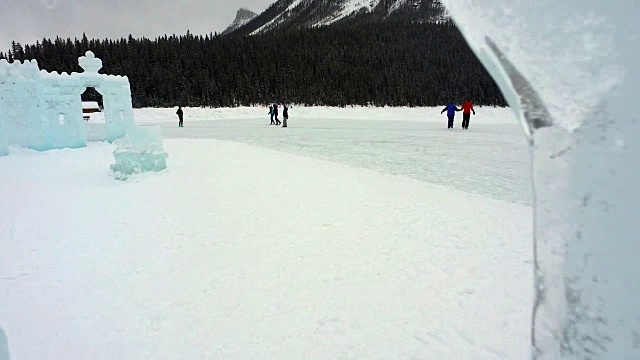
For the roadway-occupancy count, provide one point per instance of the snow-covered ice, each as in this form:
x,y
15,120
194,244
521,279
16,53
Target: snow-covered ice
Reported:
x,y
239,251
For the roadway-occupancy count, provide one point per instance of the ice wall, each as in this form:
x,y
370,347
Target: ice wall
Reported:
x,y
39,109
95,131
19,105
118,108
61,122
43,110
4,143
569,70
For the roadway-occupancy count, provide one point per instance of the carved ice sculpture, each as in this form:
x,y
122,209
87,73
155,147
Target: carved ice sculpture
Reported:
x,y
139,151
43,110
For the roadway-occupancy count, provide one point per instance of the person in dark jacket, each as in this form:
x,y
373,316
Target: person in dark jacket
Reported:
x,y
180,114
285,115
467,108
275,113
271,114
451,110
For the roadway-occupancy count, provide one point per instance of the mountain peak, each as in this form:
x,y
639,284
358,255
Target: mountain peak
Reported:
x,y
285,14
243,16
244,13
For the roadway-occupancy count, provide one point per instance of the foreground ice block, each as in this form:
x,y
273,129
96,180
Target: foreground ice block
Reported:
x,y
4,346
4,144
140,150
573,82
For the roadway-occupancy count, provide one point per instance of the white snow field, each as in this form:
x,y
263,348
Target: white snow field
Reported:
x,y
330,239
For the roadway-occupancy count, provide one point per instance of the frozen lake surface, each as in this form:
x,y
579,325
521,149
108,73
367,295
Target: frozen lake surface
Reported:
x,y
488,159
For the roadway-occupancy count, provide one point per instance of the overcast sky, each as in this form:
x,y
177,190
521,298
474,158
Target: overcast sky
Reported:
x,y
26,21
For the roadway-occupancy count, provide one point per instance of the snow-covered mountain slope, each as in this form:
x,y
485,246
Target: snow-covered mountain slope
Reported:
x,y
243,16
284,14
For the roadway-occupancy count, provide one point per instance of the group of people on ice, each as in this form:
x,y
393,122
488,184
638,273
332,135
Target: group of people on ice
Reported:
x,y
467,109
273,112
451,109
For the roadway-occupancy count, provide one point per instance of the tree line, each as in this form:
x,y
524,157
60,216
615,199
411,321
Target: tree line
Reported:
x,y
355,62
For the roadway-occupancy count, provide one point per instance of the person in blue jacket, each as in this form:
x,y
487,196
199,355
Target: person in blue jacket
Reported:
x,y
271,114
451,110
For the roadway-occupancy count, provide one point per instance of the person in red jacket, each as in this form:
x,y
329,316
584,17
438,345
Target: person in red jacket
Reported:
x,y
467,108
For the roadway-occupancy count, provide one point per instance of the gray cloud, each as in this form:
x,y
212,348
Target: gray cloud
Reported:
x,y
26,21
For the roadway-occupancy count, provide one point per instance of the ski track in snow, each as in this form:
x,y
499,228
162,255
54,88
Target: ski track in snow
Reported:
x,y
243,252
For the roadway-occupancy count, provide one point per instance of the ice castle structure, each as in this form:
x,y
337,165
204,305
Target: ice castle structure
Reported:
x,y
43,110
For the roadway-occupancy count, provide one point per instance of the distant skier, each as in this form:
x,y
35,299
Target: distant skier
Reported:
x,y
271,114
180,114
285,115
451,110
275,113
467,108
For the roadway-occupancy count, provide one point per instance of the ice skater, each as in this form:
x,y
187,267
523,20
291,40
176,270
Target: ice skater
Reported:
x,y
285,115
271,114
275,113
467,108
451,110
180,114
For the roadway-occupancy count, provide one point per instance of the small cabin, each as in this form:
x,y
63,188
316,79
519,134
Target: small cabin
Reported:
x,y
89,107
